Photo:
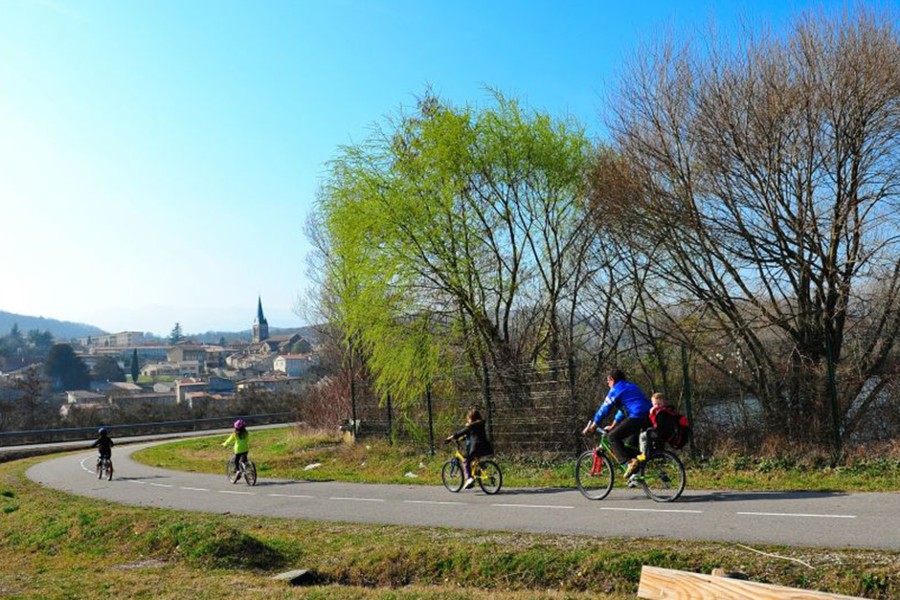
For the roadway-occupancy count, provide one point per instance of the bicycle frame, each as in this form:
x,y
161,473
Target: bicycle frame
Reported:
x,y
475,470
603,444
481,469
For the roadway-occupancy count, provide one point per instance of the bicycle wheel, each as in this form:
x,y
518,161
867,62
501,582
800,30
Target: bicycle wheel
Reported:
x,y
490,477
594,474
249,471
231,470
452,475
99,468
662,477
109,470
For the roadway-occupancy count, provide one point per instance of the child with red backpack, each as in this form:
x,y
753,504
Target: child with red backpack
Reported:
x,y
669,427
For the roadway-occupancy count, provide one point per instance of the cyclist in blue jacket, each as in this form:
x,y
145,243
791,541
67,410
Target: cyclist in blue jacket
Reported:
x,y
633,415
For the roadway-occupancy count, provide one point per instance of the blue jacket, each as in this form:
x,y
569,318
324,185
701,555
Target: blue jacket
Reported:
x,y
628,398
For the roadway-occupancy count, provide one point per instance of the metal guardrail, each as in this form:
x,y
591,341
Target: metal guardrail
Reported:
x,y
44,436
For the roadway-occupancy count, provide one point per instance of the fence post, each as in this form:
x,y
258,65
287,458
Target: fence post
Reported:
x,y
430,418
486,382
832,394
686,387
573,400
353,394
390,421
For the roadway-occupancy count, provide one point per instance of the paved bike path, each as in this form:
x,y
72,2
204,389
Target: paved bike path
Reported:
x,y
837,520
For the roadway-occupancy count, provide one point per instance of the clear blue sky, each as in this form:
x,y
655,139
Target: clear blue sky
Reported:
x,y
158,159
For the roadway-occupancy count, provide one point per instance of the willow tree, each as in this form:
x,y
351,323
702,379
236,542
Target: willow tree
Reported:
x,y
765,174
457,227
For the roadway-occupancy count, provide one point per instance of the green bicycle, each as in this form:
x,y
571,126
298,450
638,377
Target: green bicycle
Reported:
x,y
661,475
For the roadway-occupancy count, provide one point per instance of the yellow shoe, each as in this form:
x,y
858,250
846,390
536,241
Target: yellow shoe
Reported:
x,y
632,467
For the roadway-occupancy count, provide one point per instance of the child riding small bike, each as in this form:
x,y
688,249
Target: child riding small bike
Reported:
x,y
477,444
104,445
241,439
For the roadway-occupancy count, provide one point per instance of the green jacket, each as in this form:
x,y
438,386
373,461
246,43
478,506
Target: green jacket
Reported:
x,y
241,444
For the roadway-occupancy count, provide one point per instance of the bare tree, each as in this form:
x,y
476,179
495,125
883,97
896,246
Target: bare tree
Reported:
x,y
764,177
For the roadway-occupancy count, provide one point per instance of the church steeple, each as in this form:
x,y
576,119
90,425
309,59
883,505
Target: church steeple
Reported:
x,y
260,325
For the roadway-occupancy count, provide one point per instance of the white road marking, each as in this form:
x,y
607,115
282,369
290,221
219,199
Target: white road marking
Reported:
x,y
290,496
358,499
138,481
195,489
660,510
237,493
531,506
768,514
165,485
447,502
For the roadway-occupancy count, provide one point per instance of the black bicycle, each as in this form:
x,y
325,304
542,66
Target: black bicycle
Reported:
x,y
104,468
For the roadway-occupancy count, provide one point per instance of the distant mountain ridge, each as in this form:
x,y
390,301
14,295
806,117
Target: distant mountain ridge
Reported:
x,y
60,330
67,330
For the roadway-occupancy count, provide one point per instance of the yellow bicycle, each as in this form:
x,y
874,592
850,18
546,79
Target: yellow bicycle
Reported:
x,y
486,472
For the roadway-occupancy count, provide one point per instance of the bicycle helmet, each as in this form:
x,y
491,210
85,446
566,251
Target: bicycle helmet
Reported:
x,y
239,424
102,431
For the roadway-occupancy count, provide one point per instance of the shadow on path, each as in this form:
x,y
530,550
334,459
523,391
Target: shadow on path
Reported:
x,y
744,496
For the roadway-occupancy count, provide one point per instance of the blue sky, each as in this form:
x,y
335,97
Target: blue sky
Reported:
x,y
158,159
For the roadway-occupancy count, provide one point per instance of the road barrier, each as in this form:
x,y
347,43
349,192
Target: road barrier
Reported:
x,y
46,436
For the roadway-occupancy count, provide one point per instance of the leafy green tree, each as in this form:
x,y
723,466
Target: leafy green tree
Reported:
x,y
40,341
65,369
455,230
31,402
108,369
12,344
135,366
176,335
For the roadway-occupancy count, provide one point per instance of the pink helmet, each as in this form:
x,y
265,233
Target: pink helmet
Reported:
x,y
239,424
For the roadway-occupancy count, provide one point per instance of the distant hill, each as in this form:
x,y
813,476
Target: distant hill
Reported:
x,y
212,337
66,330
60,330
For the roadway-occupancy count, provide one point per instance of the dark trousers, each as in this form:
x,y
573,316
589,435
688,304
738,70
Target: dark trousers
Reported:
x,y
626,428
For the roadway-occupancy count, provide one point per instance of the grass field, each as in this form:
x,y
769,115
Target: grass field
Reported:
x,y
53,545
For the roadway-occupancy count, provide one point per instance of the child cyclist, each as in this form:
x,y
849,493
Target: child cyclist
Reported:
x,y
477,443
104,445
241,438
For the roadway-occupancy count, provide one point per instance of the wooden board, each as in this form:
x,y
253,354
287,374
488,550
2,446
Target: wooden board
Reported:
x,y
668,584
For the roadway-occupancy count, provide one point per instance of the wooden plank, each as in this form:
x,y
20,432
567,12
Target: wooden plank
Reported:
x,y
668,584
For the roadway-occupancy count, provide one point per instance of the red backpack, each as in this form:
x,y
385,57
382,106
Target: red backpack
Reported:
x,y
671,426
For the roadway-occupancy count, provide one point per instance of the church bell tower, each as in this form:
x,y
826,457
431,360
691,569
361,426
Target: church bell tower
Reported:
x,y
260,325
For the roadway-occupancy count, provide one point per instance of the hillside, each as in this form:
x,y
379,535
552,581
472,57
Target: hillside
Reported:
x,y
66,330
60,330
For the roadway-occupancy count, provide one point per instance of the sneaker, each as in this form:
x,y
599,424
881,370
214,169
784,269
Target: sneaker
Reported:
x,y
632,482
469,483
632,467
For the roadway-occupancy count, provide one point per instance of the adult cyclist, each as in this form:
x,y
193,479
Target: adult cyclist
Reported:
x,y
633,416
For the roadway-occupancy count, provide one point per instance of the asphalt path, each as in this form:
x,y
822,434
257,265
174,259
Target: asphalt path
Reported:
x,y
813,519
